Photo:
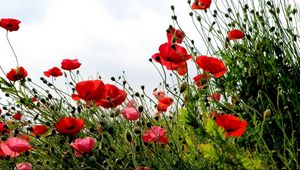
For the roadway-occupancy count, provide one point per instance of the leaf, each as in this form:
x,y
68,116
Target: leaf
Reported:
x,y
208,151
214,130
188,118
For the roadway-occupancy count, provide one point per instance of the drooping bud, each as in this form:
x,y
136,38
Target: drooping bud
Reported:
x,y
267,114
128,136
182,87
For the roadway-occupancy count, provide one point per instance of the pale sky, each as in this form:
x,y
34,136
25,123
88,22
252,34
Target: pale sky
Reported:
x,y
106,36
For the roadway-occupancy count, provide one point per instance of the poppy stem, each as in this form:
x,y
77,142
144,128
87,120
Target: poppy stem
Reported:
x,y
11,47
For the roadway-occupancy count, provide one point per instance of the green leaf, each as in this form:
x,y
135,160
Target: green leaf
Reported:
x,y
208,151
214,130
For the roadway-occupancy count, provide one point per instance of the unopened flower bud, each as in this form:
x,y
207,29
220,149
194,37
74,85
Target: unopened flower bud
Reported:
x,y
116,112
182,87
267,114
128,137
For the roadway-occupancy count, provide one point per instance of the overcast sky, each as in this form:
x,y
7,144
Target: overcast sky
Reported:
x,y
106,36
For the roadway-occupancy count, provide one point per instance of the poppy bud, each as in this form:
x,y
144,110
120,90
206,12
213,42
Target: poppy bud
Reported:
x,y
128,137
182,87
174,17
140,109
267,114
137,130
172,7
191,14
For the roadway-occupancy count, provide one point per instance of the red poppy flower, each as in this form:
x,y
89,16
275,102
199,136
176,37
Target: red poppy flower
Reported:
x,y
201,4
158,94
113,96
235,34
39,129
201,80
68,64
216,96
55,72
175,35
173,57
155,134
18,145
173,53
164,103
90,90
69,125
10,24
211,65
233,125
17,74
17,116
4,129
1,127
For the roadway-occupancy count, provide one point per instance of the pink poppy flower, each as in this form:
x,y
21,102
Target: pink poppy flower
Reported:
x,y
155,134
24,166
6,151
82,146
131,103
18,145
130,113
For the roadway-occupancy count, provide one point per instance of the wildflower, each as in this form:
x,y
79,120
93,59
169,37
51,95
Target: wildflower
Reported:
x,y
113,96
55,72
235,34
175,35
164,103
6,151
201,4
181,68
10,24
158,94
131,103
24,166
17,116
69,125
211,65
173,53
39,129
155,134
17,74
142,168
83,146
89,90
68,64
233,125
216,96
18,145
1,127
201,80
130,113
